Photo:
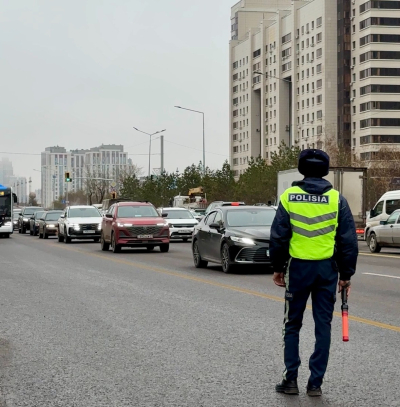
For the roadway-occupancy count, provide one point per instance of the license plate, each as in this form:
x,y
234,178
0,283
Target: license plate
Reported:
x,y
186,231
89,231
145,236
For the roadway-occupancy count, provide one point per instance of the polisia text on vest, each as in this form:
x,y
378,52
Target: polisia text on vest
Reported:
x,y
309,198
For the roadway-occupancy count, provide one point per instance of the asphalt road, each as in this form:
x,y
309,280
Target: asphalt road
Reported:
x,y
80,327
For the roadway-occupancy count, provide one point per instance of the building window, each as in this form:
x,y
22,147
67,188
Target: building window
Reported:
x,y
319,114
319,53
388,5
235,89
382,21
319,21
377,122
379,89
235,77
319,68
286,52
319,83
319,130
286,67
374,139
235,101
319,37
286,38
257,53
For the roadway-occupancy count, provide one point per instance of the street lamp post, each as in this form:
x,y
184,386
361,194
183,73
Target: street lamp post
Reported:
x,y
204,142
149,134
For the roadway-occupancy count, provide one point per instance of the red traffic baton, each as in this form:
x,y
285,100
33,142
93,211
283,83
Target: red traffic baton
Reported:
x,y
345,314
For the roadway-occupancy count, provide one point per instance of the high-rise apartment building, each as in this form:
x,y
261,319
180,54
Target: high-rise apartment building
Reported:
x,y
106,161
6,171
303,72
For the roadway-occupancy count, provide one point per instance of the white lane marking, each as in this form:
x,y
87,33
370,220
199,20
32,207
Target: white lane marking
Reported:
x,y
381,275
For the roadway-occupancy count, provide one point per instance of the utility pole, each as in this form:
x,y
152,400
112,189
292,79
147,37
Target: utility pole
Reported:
x,y
162,154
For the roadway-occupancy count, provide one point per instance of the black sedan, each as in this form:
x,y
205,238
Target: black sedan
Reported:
x,y
34,222
48,224
233,236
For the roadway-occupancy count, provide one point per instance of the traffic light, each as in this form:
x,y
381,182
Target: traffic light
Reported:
x,y
67,177
113,195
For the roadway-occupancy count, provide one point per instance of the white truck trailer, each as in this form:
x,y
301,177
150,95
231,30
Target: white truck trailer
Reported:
x,y
349,181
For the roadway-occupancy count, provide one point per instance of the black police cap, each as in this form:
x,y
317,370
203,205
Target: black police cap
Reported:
x,y
313,163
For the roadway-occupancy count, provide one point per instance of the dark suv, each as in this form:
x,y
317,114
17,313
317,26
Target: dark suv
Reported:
x,y
25,217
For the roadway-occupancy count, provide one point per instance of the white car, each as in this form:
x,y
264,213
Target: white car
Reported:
x,y
79,222
181,222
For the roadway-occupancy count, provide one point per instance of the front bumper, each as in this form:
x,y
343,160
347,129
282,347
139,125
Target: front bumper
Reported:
x,y
7,228
134,242
245,254
51,231
181,233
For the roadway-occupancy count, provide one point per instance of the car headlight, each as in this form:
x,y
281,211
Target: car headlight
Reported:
x,y
123,225
51,226
15,222
75,226
7,224
25,219
163,224
243,240
99,226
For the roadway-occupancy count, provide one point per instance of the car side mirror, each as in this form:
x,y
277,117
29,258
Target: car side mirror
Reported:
x,y
108,215
383,222
164,215
216,226
62,216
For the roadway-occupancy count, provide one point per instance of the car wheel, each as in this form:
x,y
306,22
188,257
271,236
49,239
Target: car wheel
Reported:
x,y
227,267
104,245
116,248
150,248
198,262
67,239
45,235
40,235
60,237
23,230
31,232
19,230
373,244
164,248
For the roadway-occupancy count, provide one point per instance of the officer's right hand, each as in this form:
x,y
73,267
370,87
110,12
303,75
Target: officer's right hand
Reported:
x,y
344,284
279,279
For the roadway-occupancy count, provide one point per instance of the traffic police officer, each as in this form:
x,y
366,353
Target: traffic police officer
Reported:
x,y
313,238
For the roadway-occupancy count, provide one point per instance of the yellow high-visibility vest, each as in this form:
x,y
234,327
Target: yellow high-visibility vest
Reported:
x,y
314,220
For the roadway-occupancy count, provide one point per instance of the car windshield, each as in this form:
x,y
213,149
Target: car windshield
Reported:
x,y
39,214
251,217
31,211
53,216
137,211
88,212
179,214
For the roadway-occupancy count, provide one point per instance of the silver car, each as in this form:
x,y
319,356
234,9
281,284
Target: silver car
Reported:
x,y
387,234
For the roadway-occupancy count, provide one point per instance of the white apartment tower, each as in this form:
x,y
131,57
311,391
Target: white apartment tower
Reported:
x,y
375,74
305,71
106,161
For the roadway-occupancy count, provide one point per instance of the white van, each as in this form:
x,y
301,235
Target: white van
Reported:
x,y
389,202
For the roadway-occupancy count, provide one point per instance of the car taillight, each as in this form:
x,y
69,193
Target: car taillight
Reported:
x,y
235,204
360,231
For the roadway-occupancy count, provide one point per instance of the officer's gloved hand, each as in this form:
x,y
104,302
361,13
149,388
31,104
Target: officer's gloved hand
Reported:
x,y
344,284
279,279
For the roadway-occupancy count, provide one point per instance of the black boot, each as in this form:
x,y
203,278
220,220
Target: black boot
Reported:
x,y
287,387
314,391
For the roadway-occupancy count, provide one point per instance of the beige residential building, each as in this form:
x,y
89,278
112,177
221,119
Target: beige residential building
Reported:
x,y
375,76
106,161
302,72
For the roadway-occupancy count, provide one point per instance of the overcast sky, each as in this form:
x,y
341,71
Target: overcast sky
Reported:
x,y
80,73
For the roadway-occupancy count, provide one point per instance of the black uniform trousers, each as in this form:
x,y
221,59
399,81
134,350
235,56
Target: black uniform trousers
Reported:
x,y
305,277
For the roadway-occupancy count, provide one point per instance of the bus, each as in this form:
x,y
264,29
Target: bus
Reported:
x,y
7,200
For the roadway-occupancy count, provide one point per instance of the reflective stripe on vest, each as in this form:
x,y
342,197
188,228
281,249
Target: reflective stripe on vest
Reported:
x,y
314,221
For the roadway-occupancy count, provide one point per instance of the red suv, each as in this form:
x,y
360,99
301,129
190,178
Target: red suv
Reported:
x,y
134,224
